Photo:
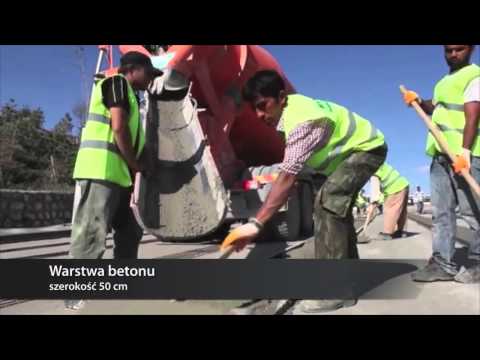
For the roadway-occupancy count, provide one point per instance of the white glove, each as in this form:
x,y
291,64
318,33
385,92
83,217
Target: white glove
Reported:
x,y
156,86
241,236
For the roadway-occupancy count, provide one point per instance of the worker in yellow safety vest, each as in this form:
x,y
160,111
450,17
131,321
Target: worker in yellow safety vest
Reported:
x,y
110,151
393,193
332,140
455,109
361,202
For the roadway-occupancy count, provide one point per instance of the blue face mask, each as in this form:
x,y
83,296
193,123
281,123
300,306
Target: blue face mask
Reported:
x,y
161,61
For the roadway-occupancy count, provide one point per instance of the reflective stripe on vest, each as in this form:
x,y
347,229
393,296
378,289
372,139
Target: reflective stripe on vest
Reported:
x,y
352,127
444,128
99,118
350,132
454,107
338,149
98,144
392,176
391,181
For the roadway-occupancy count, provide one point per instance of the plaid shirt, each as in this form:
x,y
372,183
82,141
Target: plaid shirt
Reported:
x,y
302,142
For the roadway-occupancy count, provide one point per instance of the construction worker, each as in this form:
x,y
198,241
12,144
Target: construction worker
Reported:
x,y
419,198
395,189
330,139
361,202
111,144
455,109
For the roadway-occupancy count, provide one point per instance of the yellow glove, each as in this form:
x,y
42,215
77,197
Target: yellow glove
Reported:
x,y
410,96
240,237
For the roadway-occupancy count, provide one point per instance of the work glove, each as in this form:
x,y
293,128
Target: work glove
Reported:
x,y
462,161
156,86
240,237
410,96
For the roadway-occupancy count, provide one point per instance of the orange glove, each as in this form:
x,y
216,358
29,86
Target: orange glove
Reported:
x,y
410,96
240,237
462,162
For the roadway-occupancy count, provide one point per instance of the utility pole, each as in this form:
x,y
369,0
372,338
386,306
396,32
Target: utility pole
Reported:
x,y
84,82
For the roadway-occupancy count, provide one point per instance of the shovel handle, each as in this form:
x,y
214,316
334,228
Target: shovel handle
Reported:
x,y
369,217
438,135
227,253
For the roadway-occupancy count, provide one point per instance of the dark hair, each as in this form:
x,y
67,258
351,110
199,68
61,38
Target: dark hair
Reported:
x,y
124,69
267,83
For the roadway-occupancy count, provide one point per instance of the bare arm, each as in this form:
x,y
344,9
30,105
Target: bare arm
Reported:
x,y
472,116
427,106
122,136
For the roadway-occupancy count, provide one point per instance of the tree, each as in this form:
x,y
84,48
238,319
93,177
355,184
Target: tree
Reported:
x,y
80,111
64,150
22,145
7,145
27,150
64,127
81,107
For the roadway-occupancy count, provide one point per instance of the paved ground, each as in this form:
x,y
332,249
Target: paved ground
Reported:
x,y
403,295
435,298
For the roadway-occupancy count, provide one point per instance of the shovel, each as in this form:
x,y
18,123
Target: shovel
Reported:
x,y
437,134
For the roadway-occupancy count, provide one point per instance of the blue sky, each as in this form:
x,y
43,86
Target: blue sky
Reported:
x,y
363,78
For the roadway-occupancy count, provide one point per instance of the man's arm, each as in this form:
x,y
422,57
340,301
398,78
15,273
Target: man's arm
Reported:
x,y
121,132
302,142
115,98
472,116
427,106
471,108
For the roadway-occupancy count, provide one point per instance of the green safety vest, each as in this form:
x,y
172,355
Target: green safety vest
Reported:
x,y
99,157
391,182
449,113
381,199
360,200
351,132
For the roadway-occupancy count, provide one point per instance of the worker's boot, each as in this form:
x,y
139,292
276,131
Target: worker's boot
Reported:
x,y
321,306
260,307
74,304
469,276
432,272
399,234
363,239
382,237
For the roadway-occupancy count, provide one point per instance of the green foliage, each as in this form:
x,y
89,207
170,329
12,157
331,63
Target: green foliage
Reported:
x,y
32,157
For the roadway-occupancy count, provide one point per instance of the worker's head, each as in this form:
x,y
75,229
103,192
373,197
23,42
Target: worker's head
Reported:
x,y
418,188
138,69
458,56
265,92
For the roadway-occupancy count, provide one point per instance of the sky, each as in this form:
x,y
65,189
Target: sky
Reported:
x,y
364,78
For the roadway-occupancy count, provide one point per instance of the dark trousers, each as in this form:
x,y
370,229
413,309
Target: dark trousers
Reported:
x,y
420,207
335,236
